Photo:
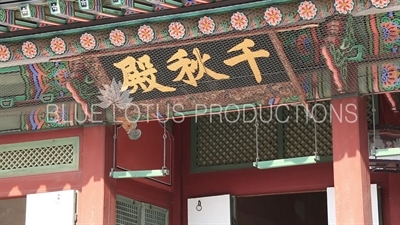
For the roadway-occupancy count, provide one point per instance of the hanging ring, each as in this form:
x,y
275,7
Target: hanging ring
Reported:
x,y
199,207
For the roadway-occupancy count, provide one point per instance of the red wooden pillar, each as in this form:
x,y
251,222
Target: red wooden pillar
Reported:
x,y
96,199
351,161
394,198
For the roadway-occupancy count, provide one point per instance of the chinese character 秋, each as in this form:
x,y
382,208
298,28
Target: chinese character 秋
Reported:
x,y
140,73
248,56
189,66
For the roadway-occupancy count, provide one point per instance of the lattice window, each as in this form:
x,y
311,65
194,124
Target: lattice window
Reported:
x,y
154,215
132,212
221,142
37,157
128,211
299,131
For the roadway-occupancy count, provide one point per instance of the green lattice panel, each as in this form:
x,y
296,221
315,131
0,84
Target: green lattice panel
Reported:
x,y
220,142
300,134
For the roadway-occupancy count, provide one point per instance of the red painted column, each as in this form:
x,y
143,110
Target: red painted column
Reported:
x,y
96,199
394,198
350,161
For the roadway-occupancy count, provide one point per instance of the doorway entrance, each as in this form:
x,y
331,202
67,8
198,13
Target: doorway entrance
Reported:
x,y
283,209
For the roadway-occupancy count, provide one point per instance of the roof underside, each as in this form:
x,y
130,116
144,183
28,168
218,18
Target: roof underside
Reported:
x,y
29,15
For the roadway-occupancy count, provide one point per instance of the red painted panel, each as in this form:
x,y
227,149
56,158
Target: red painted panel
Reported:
x,y
386,115
394,198
146,153
20,186
139,191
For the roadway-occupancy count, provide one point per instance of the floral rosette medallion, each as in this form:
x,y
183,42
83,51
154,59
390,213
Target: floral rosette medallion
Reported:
x,y
117,38
344,6
88,41
146,33
206,25
273,16
5,53
176,30
239,21
58,46
390,76
307,10
390,32
380,4
29,50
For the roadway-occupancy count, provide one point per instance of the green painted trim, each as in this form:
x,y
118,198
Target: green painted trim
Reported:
x,y
26,24
281,134
217,110
55,19
144,20
43,169
193,145
16,98
387,152
307,160
9,69
179,4
80,15
139,174
112,11
143,7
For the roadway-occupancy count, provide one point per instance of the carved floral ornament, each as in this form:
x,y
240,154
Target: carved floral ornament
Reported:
x,y
206,25
5,53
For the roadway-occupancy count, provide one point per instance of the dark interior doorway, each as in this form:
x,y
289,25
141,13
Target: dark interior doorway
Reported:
x,y
283,209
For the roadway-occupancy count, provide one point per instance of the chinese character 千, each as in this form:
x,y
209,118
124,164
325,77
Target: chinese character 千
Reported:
x,y
140,73
188,67
248,56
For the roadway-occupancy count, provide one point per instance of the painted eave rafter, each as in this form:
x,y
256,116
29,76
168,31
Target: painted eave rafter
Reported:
x,y
72,37
31,14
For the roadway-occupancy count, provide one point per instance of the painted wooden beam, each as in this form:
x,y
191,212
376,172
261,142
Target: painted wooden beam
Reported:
x,y
129,7
286,64
36,13
165,4
375,10
94,7
63,9
8,19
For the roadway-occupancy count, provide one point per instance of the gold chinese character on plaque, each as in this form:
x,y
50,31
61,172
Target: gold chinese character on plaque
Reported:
x,y
248,56
140,73
188,67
